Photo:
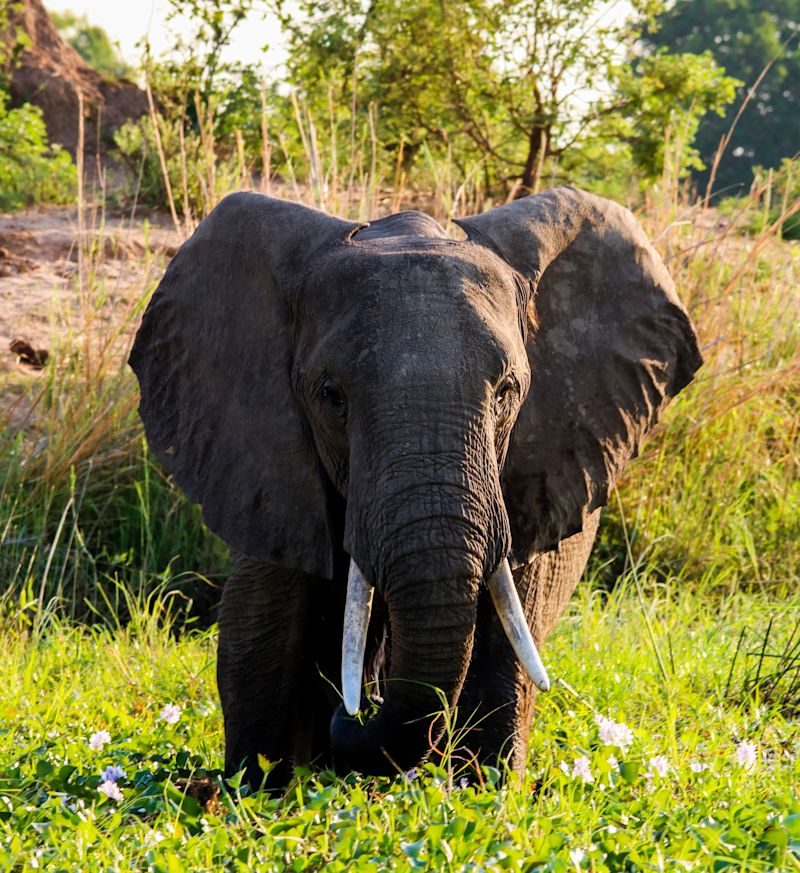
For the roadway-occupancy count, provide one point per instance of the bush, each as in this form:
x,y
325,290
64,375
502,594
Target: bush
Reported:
x,y
198,176
31,170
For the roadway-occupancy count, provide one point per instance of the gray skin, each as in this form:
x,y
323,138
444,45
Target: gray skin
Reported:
x,y
424,406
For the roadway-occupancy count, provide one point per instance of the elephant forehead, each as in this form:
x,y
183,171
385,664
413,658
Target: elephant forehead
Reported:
x,y
431,312
416,281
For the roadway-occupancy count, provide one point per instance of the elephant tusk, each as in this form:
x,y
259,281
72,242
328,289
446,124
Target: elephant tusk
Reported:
x,y
357,611
509,610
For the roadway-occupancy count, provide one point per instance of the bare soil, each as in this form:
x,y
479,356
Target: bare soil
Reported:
x,y
47,265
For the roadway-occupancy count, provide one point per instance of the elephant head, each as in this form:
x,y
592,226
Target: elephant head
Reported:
x,y
437,409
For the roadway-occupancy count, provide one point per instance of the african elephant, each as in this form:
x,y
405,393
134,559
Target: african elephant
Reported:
x,y
379,416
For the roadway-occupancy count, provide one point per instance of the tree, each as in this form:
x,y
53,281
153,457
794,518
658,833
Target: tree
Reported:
x,y
745,37
513,84
91,42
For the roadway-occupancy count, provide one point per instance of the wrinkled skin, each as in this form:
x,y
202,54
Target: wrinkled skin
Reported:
x,y
390,387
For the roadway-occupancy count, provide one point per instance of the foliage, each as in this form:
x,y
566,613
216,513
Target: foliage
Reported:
x,y
665,96
773,202
702,779
197,175
745,37
514,85
31,171
91,42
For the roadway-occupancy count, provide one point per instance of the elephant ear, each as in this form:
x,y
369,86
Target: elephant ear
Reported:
x,y
609,344
213,357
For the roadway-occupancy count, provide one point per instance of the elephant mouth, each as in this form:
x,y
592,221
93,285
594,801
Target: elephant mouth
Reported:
x,y
358,610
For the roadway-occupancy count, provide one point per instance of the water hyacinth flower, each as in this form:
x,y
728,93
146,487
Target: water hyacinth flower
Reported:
x,y
111,790
697,766
746,754
659,766
613,763
152,839
171,713
99,739
614,733
576,856
581,769
112,773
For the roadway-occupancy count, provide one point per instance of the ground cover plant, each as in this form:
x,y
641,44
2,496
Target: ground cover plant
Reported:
x,y
644,756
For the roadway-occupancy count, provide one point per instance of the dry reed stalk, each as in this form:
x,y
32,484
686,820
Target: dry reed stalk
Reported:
x,y
84,302
205,122
161,156
188,219
266,150
242,162
333,182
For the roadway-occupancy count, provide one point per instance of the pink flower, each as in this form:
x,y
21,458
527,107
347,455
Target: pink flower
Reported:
x,y
99,739
659,765
614,733
582,770
746,754
110,789
171,713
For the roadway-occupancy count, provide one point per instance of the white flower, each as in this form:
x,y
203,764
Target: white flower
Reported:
x,y
111,790
613,763
614,733
112,773
171,713
746,754
697,766
659,765
152,839
99,739
564,766
581,769
576,856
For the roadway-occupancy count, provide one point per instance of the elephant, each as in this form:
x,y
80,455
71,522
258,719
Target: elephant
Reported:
x,y
406,440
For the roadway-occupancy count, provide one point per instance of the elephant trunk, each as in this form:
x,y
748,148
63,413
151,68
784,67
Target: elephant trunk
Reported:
x,y
427,547
432,627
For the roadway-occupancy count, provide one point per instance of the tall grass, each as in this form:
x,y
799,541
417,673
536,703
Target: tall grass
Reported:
x,y
717,491
715,496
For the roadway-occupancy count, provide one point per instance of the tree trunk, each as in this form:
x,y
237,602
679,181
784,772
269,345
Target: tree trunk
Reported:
x,y
537,147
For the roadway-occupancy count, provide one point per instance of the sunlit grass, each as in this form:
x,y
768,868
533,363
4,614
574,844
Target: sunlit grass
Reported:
x,y
678,791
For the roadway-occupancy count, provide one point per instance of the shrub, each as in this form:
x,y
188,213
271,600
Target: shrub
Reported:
x,y
31,170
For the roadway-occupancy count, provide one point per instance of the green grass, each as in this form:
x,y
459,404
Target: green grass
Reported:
x,y
62,683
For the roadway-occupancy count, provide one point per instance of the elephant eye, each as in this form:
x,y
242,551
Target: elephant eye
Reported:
x,y
333,397
507,390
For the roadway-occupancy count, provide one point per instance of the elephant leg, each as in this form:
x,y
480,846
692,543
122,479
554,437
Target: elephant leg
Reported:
x,y
260,667
495,710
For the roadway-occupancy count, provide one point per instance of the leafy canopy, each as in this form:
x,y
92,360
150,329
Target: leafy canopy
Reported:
x,y
745,37
517,85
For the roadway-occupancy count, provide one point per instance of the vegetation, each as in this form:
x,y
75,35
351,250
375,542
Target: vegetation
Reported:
x,y
517,86
759,44
31,171
703,776
91,42
670,738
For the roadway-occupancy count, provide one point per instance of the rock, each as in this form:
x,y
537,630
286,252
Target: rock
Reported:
x,y
27,354
50,74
